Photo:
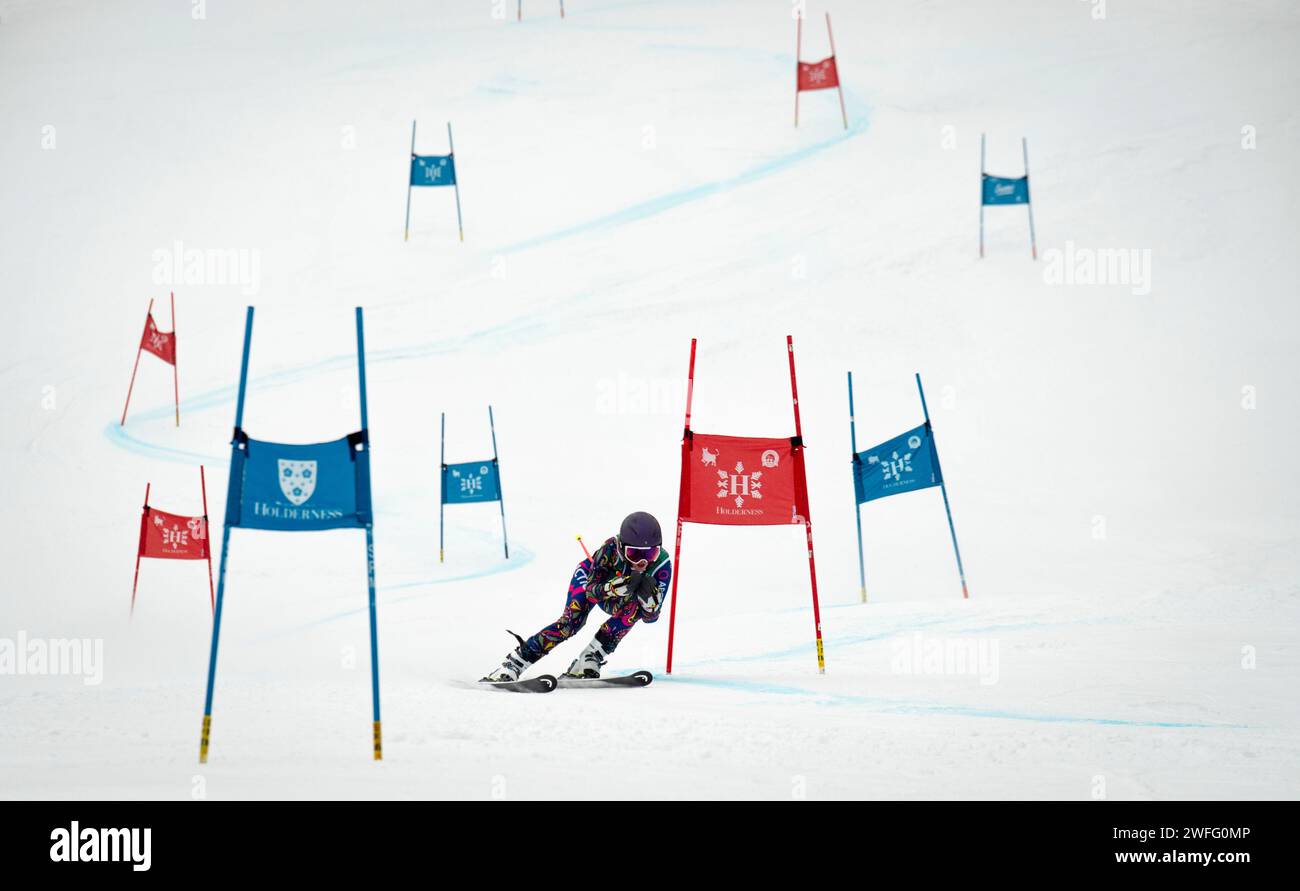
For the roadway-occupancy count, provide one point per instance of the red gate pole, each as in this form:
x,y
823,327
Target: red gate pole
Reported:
x,y
677,548
207,530
139,548
798,47
807,520
147,313
176,374
839,84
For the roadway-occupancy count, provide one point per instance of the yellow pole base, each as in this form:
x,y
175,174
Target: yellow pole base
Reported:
x,y
821,657
379,745
203,739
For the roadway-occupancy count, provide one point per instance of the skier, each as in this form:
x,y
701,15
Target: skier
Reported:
x,y
627,577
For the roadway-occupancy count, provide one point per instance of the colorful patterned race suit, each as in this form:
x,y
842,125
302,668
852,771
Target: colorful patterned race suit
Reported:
x,y
607,563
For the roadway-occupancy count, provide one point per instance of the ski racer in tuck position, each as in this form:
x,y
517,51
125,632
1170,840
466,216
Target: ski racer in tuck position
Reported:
x,y
627,577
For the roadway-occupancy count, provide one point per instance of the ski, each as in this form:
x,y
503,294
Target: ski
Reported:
x,y
543,683
636,679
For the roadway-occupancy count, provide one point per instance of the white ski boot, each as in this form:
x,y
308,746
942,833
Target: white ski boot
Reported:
x,y
588,663
512,667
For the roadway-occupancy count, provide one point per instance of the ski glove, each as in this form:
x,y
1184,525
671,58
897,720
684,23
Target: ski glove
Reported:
x,y
649,594
618,587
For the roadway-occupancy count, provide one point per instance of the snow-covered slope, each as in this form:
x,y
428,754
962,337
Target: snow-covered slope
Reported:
x,y
1121,464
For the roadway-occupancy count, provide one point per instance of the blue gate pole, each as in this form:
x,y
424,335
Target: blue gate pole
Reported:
x,y
206,732
452,148
981,196
370,547
1029,202
407,236
442,485
943,487
501,498
857,506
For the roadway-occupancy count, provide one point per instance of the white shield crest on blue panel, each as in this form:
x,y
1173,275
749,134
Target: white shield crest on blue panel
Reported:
x,y
297,480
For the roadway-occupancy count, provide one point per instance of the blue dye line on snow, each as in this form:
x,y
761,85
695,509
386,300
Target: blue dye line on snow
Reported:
x,y
808,651
911,708
222,396
654,206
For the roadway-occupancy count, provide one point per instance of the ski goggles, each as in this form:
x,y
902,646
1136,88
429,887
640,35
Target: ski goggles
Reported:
x,y
636,555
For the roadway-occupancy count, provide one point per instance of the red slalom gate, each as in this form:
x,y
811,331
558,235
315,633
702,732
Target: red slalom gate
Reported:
x,y
743,481
163,345
167,536
820,75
